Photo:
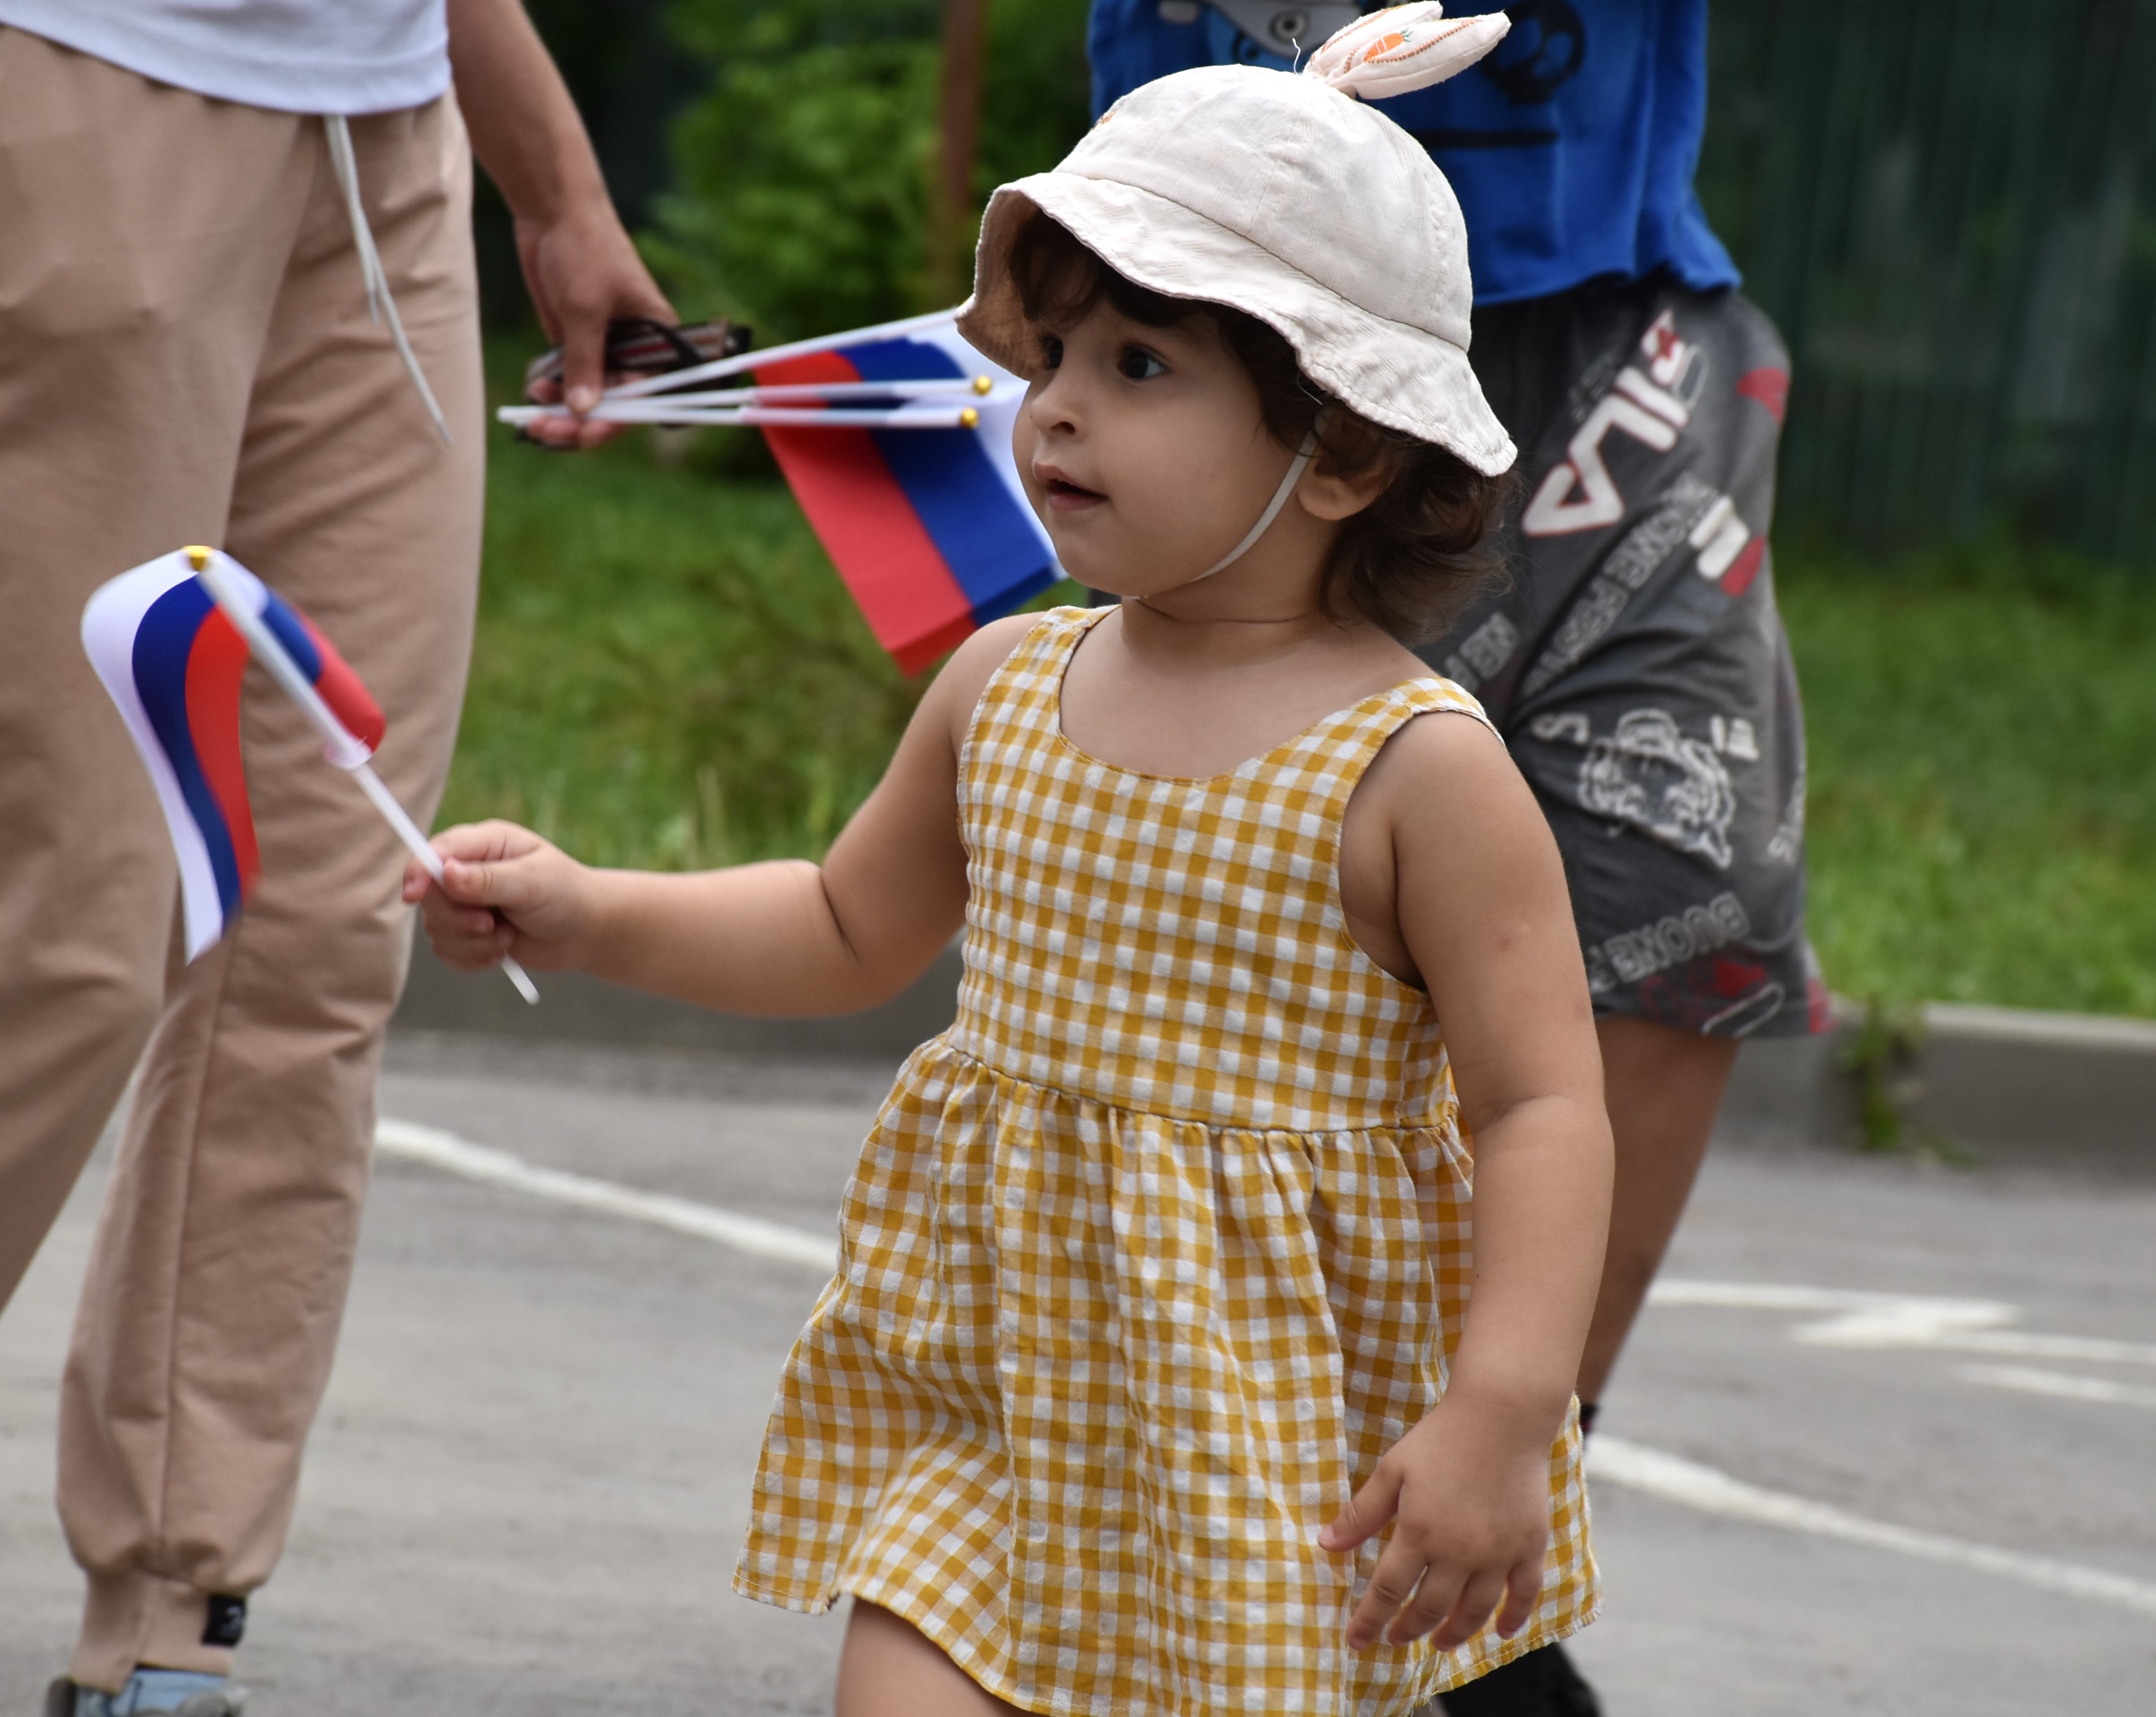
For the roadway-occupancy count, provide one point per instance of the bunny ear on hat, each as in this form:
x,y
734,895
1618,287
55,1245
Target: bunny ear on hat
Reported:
x,y
1403,48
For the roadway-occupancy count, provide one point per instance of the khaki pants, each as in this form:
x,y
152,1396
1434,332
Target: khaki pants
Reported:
x,y
186,357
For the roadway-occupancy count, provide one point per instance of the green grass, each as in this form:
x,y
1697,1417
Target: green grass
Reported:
x,y
669,673
1983,756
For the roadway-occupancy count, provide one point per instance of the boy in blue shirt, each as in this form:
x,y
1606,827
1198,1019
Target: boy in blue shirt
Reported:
x,y
1635,665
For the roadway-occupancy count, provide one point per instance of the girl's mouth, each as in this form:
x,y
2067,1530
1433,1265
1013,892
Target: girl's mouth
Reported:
x,y
1064,496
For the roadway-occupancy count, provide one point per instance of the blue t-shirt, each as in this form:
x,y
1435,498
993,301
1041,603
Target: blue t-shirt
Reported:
x,y
1572,147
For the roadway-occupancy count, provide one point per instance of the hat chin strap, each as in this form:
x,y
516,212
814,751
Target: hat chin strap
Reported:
x,y
1303,458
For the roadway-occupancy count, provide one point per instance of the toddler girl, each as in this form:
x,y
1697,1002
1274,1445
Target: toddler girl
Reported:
x,y
1148,1381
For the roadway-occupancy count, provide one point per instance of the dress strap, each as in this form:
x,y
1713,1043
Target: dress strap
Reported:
x,y
1025,693
1321,766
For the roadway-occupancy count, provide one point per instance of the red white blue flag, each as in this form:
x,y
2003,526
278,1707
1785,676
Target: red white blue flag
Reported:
x,y
929,528
897,440
173,659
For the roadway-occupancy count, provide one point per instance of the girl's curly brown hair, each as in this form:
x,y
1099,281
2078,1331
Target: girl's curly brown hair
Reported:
x,y
1409,562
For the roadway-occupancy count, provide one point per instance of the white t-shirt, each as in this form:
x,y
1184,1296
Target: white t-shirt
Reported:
x,y
297,56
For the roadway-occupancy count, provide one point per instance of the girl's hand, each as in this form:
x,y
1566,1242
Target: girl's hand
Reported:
x,y
1469,1489
503,891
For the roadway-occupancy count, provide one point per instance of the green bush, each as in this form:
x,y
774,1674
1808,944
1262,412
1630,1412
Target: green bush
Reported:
x,y
803,176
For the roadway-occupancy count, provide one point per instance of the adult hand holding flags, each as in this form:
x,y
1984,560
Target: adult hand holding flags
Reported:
x,y
896,441
170,640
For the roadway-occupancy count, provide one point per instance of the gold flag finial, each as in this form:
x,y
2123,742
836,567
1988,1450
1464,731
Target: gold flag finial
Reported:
x,y
197,555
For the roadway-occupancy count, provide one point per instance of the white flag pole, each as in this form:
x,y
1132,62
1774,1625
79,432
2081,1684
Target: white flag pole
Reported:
x,y
671,379
929,416
813,393
343,747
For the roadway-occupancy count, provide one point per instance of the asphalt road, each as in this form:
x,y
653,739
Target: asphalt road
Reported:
x,y
1884,1445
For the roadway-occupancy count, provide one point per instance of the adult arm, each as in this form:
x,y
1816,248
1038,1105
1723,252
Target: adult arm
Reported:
x,y
579,265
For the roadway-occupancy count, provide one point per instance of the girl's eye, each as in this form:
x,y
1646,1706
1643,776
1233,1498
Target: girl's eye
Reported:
x,y
1139,364
1051,351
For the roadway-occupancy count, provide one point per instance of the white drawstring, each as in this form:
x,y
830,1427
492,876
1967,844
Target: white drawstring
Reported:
x,y
380,306
1295,471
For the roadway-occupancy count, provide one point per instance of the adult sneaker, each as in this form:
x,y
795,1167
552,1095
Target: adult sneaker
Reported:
x,y
150,1693
1538,1683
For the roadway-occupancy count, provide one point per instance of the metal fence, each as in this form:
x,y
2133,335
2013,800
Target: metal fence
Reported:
x,y
1948,206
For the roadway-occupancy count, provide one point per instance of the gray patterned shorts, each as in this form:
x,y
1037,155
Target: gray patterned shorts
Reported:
x,y
1636,665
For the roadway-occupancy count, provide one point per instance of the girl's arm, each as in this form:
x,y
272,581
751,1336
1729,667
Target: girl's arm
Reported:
x,y
1484,912
785,937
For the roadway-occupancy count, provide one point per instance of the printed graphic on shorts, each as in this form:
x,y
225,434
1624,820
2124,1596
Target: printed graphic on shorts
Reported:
x,y
1787,846
1719,998
1722,539
1484,653
1645,547
1635,955
1769,385
1680,984
1734,736
1652,406
1672,362
1648,774
1648,543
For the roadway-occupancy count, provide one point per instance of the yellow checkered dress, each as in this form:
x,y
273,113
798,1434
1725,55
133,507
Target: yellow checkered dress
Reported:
x,y
1149,1257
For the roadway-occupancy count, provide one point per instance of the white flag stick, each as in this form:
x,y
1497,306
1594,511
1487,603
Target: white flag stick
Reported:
x,y
812,392
343,747
417,844
660,411
717,367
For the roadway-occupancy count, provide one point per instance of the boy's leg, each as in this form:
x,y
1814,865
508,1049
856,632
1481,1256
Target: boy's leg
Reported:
x,y
144,234
1663,1089
218,1282
890,1669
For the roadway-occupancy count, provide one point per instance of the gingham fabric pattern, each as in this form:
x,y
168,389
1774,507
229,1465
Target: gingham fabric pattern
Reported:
x,y
1149,1257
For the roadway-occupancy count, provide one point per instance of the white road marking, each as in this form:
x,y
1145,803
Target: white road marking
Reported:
x,y
1672,1479
500,1168
1855,1318
2062,1384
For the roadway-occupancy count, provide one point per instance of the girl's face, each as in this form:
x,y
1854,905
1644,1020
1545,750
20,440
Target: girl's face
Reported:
x,y
1144,451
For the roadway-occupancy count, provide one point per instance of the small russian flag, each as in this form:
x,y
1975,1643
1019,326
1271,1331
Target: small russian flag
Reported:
x,y
172,659
929,528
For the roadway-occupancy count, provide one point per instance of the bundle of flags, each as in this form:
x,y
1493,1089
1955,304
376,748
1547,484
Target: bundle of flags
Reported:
x,y
171,640
896,441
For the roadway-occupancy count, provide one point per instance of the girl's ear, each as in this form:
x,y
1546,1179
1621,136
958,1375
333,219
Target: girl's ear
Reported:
x,y
1333,495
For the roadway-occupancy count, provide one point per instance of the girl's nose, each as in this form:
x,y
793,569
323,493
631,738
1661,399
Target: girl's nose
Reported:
x,y
1052,406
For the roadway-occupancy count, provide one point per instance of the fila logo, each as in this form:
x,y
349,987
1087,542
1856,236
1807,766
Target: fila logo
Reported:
x,y
1579,494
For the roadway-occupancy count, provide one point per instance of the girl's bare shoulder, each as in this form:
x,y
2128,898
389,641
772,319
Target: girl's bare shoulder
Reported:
x,y
1442,770
958,687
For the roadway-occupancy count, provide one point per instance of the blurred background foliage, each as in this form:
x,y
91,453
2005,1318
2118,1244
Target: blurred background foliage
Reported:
x,y
1950,208
804,172
777,154
1944,203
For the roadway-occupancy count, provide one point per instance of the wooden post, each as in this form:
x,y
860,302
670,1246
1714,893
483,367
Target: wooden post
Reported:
x,y
965,33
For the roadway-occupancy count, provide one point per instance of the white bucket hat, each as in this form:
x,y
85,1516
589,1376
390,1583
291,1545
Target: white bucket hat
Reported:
x,y
1283,196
